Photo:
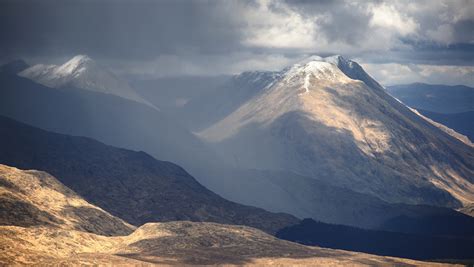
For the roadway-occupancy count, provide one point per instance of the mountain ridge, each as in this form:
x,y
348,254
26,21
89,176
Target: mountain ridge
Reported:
x,y
128,184
321,116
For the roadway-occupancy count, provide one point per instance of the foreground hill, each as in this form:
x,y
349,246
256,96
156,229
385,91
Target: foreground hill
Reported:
x,y
131,185
174,243
35,198
325,118
49,224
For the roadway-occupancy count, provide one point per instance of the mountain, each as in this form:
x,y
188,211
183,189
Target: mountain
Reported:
x,y
82,72
130,185
35,198
310,232
14,67
435,97
110,119
211,106
327,119
460,122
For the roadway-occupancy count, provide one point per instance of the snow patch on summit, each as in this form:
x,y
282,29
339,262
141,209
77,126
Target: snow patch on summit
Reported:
x,y
84,73
315,68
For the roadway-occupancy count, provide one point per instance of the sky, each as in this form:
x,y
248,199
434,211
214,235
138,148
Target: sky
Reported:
x,y
395,41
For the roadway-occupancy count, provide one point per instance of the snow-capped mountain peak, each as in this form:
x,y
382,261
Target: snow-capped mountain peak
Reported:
x,y
314,68
326,117
82,72
76,64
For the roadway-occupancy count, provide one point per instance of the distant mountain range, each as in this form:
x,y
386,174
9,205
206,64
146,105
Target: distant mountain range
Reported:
x,y
435,97
319,139
312,140
452,106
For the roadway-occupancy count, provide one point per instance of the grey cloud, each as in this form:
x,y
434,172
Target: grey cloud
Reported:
x,y
138,29
345,23
206,37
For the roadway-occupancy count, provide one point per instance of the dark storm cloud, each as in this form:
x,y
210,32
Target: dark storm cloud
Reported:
x,y
137,29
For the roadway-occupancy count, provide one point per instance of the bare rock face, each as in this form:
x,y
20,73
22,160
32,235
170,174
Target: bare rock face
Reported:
x,y
327,119
34,198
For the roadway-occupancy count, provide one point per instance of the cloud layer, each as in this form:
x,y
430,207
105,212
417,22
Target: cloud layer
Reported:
x,y
214,37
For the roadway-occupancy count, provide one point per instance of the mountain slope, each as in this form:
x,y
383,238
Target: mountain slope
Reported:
x,y
131,185
34,198
304,197
327,119
435,97
82,72
104,117
212,106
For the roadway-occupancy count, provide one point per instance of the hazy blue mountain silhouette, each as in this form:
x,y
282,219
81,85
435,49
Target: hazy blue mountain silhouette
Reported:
x,y
435,97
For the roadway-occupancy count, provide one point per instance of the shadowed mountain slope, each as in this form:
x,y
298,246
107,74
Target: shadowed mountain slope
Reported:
x,y
280,191
310,232
131,185
104,117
